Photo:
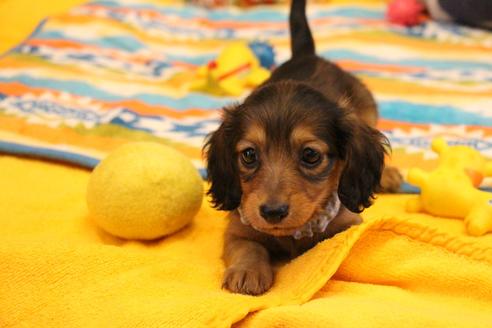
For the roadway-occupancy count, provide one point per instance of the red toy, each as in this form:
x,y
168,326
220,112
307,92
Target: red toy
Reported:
x,y
405,12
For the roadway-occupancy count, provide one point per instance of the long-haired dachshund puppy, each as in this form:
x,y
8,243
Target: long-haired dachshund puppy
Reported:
x,y
295,162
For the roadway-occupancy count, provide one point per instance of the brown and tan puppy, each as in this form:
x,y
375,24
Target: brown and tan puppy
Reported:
x,y
294,162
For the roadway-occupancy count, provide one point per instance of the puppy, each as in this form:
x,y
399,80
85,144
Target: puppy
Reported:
x,y
295,162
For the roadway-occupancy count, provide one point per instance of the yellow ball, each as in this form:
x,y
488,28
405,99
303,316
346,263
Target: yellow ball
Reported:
x,y
144,190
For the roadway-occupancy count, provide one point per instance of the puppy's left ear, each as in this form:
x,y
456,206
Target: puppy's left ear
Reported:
x,y
222,170
364,162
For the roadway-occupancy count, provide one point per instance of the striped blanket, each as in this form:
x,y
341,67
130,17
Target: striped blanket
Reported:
x,y
114,71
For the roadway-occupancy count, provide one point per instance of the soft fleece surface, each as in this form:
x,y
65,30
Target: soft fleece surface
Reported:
x,y
58,270
113,71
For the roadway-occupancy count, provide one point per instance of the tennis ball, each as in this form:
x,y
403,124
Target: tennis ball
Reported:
x,y
144,190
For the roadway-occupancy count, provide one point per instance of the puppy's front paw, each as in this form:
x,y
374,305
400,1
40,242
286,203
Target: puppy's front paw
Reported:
x,y
391,180
251,280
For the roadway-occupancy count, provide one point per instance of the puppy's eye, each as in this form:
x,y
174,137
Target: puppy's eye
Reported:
x,y
248,157
310,157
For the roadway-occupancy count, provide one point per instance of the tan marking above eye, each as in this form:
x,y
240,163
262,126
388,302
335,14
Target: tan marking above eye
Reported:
x,y
302,137
254,135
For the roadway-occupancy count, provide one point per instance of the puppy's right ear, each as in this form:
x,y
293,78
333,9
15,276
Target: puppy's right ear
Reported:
x,y
222,170
364,156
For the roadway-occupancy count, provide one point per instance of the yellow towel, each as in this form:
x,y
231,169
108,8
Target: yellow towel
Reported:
x,y
58,270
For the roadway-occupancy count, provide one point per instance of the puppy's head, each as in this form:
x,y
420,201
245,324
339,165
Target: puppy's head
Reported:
x,y
282,153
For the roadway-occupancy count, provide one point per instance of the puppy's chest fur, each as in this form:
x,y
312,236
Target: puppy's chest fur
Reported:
x,y
287,246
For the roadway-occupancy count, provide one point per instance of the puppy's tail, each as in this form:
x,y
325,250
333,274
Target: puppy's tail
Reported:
x,y
301,40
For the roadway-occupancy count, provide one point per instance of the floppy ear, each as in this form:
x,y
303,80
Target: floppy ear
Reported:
x,y
222,171
364,162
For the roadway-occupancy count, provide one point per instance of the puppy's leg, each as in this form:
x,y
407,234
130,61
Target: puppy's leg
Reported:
x,y
391,180
248,266
342,222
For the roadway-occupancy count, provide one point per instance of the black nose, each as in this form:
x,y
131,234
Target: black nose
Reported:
x,y
274,213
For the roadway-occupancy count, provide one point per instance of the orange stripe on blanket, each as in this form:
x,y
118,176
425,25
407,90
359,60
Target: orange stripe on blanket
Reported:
x,y
87,138
405,160
19,89
120,9
115,54
235,24
77,19
273,25
384,124
354,65
145,109
391,125
58,43
403,88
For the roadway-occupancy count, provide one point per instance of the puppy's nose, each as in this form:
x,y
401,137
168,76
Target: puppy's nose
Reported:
x,y
274,213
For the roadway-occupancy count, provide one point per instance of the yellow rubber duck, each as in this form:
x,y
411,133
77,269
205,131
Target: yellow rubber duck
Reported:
x,y
450,190
234,70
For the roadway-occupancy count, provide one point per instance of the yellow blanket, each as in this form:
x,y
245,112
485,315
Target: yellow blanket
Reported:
x,y
58,270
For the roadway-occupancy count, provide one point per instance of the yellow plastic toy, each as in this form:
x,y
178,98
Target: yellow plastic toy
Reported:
x,y
235,69
450,190
463,158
